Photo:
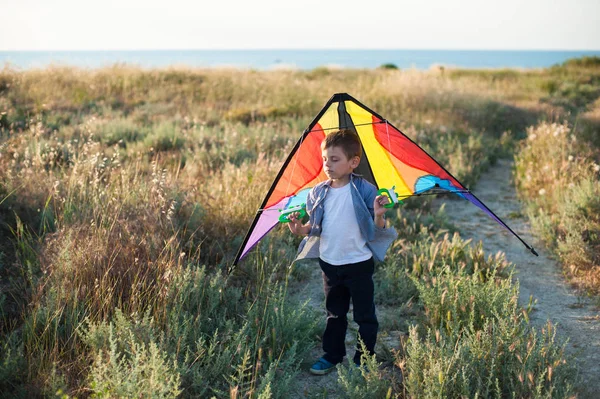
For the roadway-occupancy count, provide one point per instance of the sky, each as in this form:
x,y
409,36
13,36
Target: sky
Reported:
x,y
303,24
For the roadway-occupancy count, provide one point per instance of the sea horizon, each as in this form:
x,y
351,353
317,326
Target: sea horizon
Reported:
x,y
300,59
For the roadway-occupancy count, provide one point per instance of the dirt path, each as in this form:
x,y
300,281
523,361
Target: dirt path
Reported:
x,y
540,277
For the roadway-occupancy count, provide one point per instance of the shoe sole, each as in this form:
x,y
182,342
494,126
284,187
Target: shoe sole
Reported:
x,y
321,372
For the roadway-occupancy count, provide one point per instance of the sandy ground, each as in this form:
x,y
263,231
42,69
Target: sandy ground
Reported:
x,y
540,278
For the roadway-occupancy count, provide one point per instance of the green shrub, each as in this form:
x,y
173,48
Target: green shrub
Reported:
x,y
368,380
454,302
505,358
275,335
557,177
425,249
464,154
393,284
165,137
585,61
475,341
217,342
12,365
133,364
434,252
389,65
120,131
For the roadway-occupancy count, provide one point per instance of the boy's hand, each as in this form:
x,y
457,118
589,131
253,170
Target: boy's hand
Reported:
x,y
378,204
296,225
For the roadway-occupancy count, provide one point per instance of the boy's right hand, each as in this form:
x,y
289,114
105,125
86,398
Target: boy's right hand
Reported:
x,y
296,225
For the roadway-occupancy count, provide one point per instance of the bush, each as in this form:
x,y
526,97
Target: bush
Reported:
x,y
215,345
12,365
368,380
505,358
389,65
464,154
585,62
454,302
165,137
433,253
132,364
120,131
558,179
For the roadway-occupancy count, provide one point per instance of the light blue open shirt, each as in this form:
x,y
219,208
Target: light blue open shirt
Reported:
x,y
363,195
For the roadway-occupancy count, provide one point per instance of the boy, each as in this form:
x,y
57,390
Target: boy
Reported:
x,y
346,231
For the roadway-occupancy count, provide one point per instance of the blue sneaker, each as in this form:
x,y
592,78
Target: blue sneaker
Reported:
x,y
322,367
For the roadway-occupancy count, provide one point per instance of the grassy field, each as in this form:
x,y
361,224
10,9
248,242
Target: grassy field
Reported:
x,y
125,193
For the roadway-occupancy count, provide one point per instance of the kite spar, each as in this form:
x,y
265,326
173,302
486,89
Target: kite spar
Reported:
x,y
390,159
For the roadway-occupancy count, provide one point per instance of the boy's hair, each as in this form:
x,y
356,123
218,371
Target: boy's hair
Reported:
x,y
347,140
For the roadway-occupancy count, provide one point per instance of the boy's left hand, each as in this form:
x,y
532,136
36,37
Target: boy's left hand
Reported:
x,y
378,204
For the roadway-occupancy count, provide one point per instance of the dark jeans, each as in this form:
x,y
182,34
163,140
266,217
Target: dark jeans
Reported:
x,y
342,283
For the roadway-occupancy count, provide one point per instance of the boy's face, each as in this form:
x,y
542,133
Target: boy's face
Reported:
x,y
336,163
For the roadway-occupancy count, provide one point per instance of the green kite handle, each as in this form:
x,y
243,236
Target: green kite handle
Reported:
x,y
391,194
284,216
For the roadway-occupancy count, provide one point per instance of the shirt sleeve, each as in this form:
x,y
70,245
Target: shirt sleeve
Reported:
x,y
310,201
369,194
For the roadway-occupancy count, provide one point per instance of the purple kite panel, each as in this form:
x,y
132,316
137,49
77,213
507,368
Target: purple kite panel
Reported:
x,y
267,220
484,208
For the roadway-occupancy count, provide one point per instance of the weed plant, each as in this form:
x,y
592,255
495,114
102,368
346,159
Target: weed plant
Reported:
x,y
12,365
558,177
367,380
505,358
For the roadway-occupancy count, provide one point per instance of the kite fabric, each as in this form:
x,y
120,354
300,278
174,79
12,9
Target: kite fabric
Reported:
x,y
390,159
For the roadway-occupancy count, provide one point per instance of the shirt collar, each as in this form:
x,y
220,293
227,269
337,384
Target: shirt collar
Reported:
x,y
352,176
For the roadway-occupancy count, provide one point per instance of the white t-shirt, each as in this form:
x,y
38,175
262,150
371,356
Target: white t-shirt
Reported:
x,y
341,241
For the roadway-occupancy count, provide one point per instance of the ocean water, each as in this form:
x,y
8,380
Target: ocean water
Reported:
x,y
292,59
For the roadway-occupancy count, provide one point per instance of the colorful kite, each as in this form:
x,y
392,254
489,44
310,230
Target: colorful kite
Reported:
x,y
390,159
